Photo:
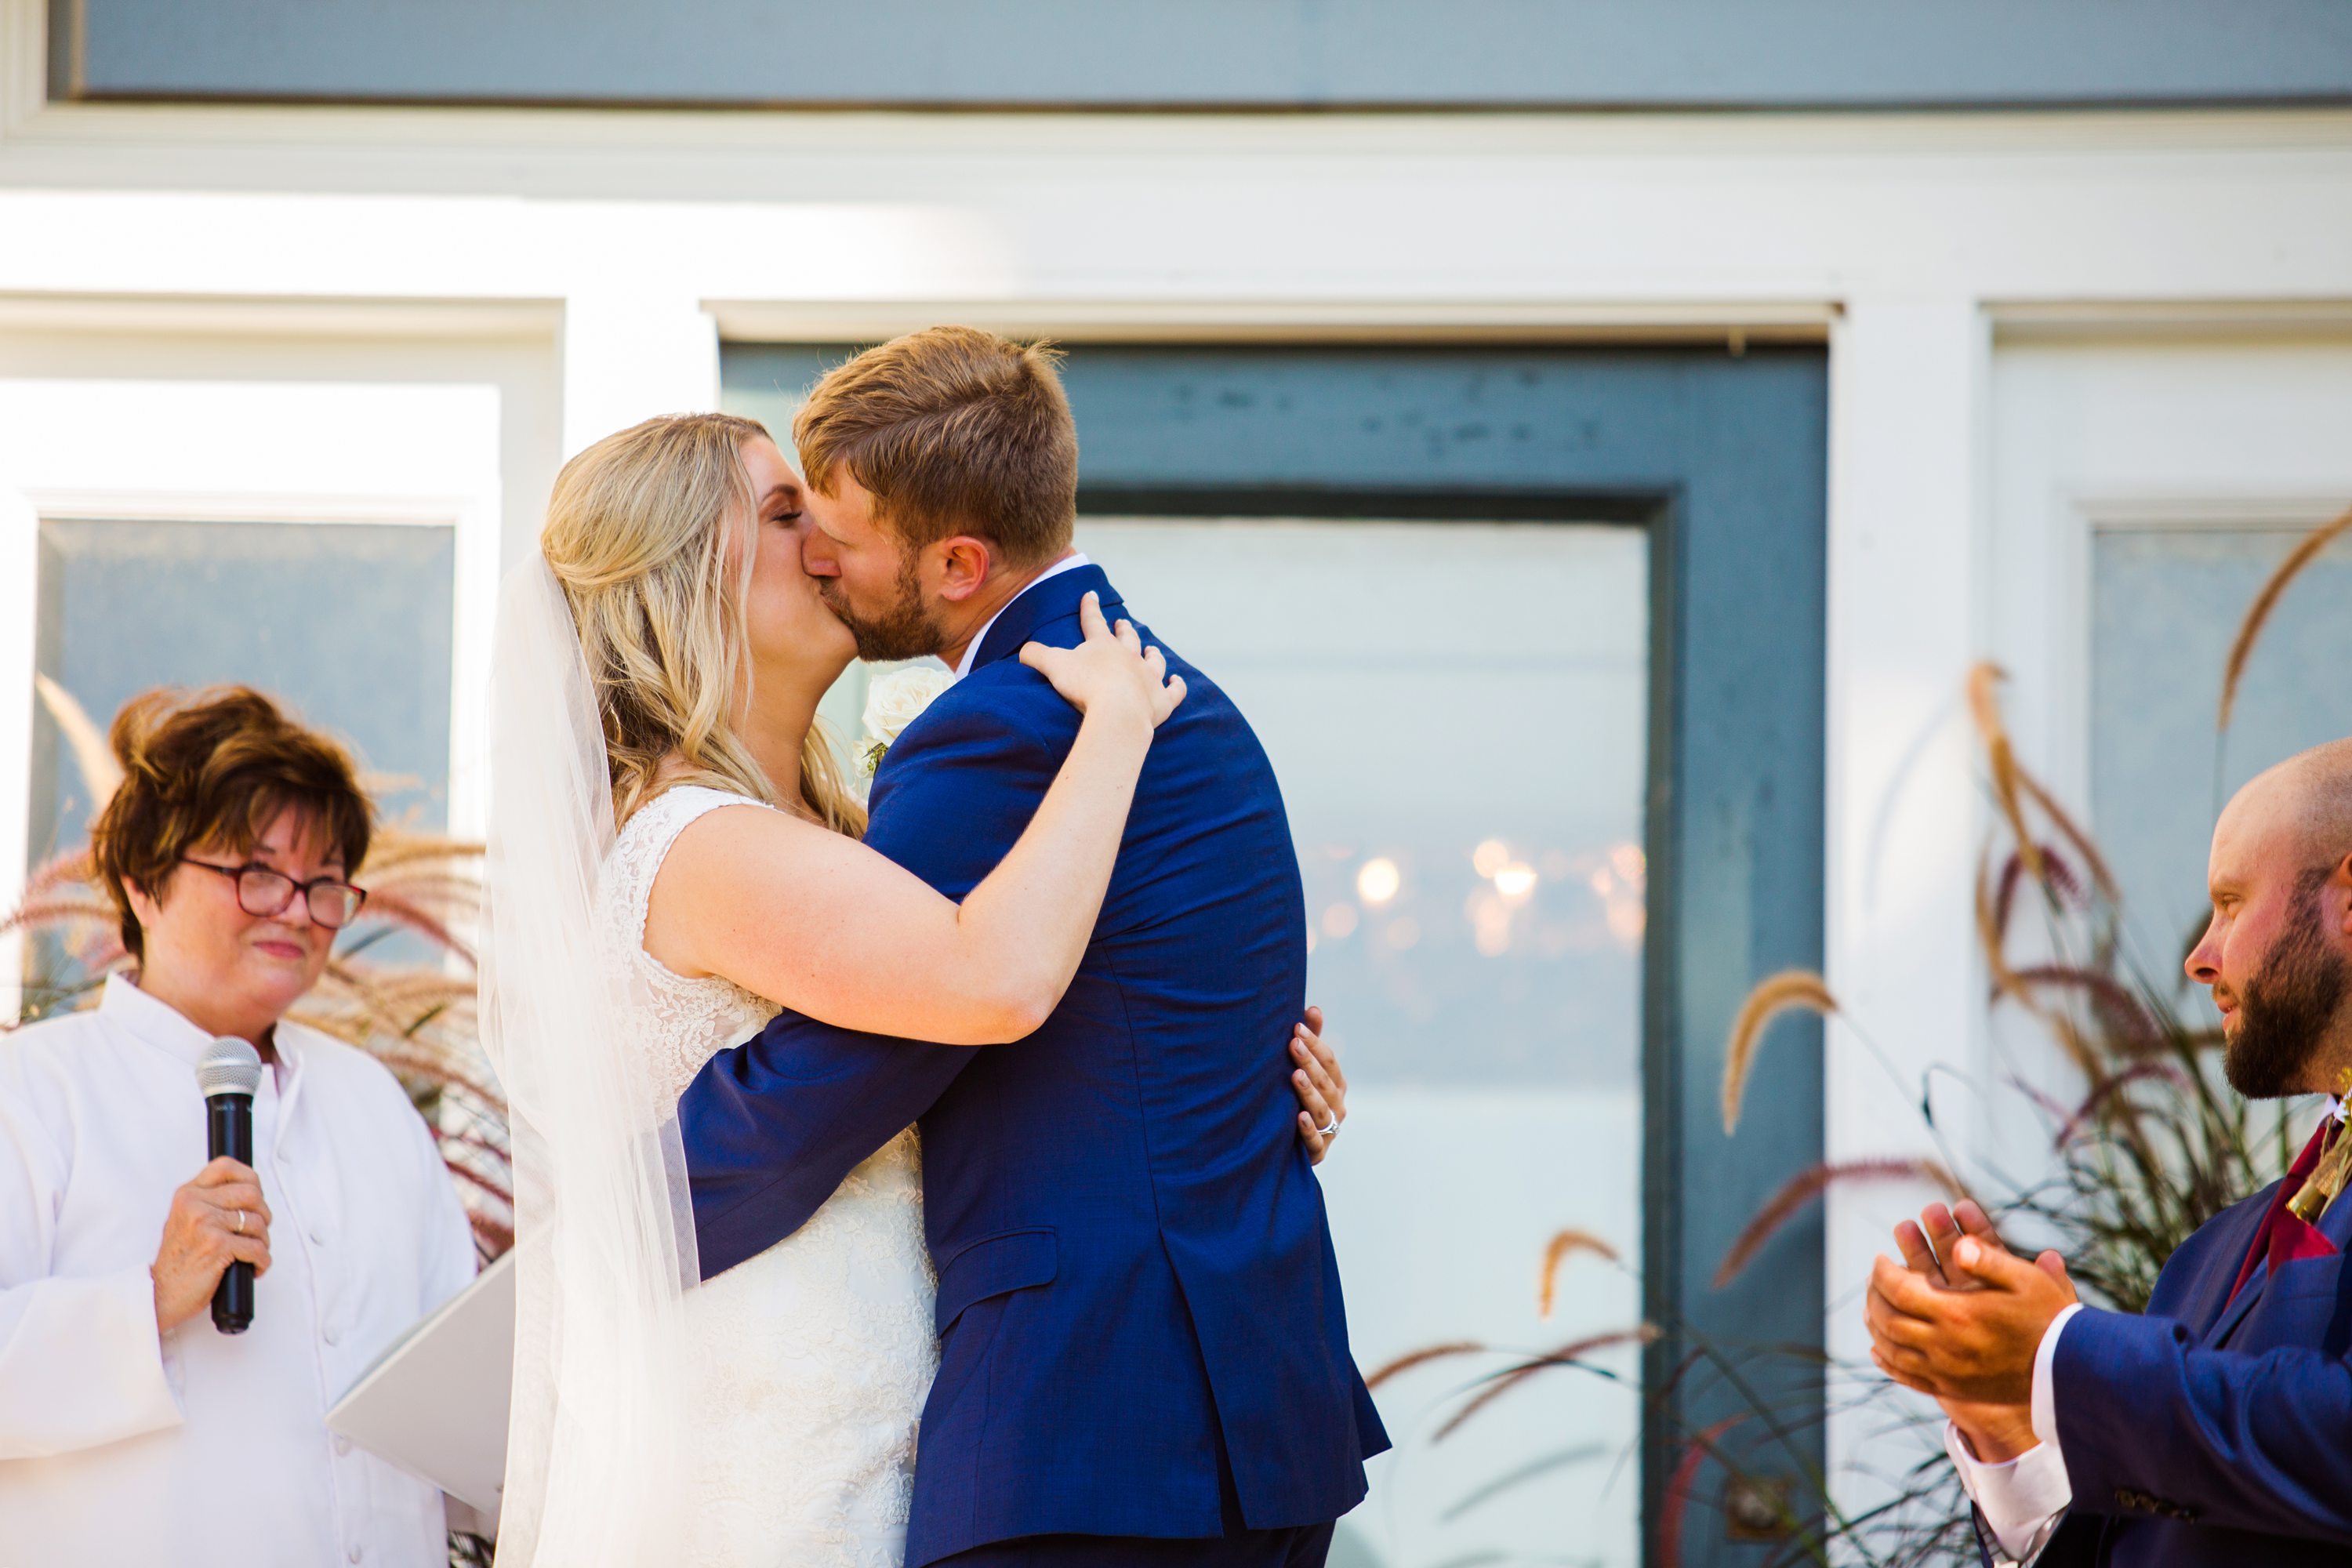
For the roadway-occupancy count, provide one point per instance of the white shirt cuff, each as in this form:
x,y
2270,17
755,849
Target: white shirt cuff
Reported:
x,y
2045,1377
2023,1500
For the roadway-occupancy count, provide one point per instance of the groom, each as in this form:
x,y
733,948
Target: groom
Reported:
x,y
1144,1356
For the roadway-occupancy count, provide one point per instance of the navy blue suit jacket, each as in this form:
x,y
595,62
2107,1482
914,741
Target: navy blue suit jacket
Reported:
x,y
1134,1265
2213,1432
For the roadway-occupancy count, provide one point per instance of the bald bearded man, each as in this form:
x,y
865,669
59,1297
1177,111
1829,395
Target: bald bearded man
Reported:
x,y
2217,1428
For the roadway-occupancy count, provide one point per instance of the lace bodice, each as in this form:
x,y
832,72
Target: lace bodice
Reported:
x,y
691,1019
810,1362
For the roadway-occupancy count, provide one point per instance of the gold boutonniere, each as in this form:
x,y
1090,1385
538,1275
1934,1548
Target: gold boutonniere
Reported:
x,y
2331,1175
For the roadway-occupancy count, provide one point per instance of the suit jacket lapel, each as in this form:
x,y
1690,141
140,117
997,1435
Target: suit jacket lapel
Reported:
x,y
1040,605
2212,1312
2336,1225
2240,1305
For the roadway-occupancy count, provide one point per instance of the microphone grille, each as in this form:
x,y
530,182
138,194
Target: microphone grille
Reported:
x,y
228,1065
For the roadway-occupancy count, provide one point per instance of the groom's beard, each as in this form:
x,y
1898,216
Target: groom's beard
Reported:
x,y
2287,1011
905,630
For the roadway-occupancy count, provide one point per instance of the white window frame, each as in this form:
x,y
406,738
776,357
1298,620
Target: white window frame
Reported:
x,y
2185,425
2284,470
2087,516
273,452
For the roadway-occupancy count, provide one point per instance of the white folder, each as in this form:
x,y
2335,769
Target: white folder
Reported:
x,y
436,1403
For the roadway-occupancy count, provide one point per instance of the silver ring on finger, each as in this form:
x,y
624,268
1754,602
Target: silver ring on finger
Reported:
x,y
1332,1131
240,1222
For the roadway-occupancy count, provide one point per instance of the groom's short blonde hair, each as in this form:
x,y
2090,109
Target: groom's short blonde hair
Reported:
x,y
951,430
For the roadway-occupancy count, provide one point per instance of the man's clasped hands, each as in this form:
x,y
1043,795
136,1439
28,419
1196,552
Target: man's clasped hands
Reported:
x,y
1961,1318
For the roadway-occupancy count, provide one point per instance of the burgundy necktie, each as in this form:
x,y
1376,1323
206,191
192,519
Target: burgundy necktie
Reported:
x,y
2282,1237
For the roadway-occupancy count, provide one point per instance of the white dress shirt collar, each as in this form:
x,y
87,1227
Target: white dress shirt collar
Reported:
x,y
165,1028
1069,563
150,1022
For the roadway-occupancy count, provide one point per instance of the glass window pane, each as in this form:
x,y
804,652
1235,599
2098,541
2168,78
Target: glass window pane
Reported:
x,y
349,623
2166,606
1457,712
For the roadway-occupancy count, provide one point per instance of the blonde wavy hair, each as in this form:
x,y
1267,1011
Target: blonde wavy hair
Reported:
x,y
637,533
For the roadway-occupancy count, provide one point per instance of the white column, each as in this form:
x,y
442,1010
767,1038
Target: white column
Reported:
x,y
19,614
1908,396
631,353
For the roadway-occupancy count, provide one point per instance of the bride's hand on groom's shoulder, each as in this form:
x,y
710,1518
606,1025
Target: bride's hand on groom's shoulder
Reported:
x,y
1110,671
1320,1086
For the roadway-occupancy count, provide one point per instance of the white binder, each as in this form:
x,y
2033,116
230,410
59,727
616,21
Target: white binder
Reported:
x,y
436,1403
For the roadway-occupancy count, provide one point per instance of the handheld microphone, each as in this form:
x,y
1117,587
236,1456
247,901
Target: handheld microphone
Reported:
x,y
226,1076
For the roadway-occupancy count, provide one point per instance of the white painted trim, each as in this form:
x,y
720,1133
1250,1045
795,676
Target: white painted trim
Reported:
x,y
2086,321
421,455
23,64
2302,510
2215,427
19,614
632,352
474,523
1286,320
1907,380
325,508
153,315
2065,675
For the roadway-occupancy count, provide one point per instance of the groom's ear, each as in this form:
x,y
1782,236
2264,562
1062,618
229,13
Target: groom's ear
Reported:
x,y
964,563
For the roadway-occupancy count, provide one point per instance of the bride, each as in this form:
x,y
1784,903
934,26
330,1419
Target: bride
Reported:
x,y
656,754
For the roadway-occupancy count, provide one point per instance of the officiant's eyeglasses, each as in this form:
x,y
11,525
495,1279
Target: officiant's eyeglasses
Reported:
x,y
260,891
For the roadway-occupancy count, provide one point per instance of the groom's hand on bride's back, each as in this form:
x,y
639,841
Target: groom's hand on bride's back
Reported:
x,y
1320,1086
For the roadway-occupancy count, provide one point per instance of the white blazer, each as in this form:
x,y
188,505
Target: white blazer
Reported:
x,y
119,1444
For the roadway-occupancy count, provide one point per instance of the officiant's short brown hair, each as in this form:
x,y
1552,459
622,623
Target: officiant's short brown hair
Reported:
x,y
951,430
211,770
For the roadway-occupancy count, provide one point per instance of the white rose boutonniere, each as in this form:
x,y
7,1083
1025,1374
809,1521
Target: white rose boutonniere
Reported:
x,y
894,702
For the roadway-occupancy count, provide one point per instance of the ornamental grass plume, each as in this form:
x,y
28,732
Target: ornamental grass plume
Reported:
x,y
1791,988
1555,1252
2258,614
1421,1357
1562,1245
2001,756
1810,1184
102,774
1568,1355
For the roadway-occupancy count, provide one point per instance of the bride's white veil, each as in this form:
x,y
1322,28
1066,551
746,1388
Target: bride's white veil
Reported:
x,y
605,1235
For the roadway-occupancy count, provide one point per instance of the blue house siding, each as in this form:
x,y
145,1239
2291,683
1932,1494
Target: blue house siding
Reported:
x,y
1211,54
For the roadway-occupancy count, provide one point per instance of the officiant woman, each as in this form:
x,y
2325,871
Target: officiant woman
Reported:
x,y
131,1431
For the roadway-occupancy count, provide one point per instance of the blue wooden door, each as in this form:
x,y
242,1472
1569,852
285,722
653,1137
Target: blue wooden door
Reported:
x,y
1534,640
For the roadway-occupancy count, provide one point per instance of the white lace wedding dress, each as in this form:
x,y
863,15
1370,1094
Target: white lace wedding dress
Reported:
x,y
810,1362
